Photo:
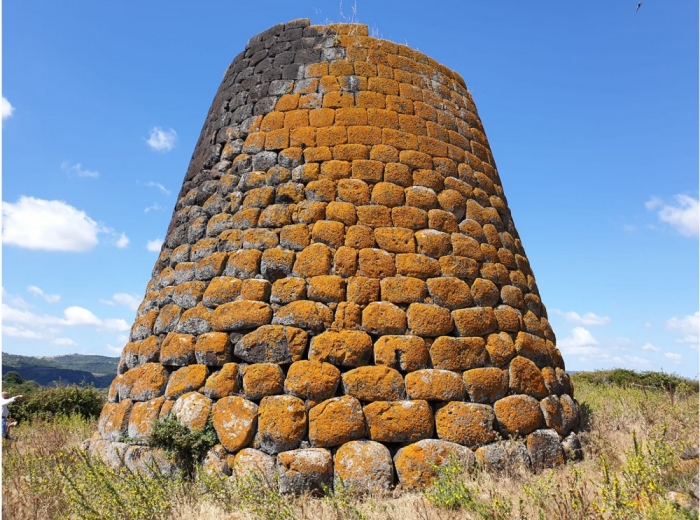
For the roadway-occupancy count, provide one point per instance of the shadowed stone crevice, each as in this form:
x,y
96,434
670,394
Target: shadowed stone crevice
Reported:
x,y
341,288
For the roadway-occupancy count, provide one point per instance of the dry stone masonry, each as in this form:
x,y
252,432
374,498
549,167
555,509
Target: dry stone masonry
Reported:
x,y
341,289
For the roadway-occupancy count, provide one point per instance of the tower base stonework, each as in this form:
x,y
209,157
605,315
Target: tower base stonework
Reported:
x,y
342,291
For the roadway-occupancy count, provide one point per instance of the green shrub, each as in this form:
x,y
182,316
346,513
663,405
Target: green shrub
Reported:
x,y
188,446
46,403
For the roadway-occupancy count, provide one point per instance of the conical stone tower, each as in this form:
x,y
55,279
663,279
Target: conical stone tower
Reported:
x,y
342,290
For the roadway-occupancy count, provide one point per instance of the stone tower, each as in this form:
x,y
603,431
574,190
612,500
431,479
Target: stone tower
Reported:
x,y
341,289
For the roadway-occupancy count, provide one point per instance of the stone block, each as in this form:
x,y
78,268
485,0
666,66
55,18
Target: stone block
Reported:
x,y
329,232
354,191
287,290
244,314
223,289
507,457
468,424
345,262
213,349
485,293
314,260
534,348
305,470
305,315
374,216
186,379
262,379
276,263
417,266
544,449
336,421
407,353
343,212
362,290
429,320
434,385
222,383
313,380
476,321
433,243
450,292
281,423
374,383
399,421
448,353
403,289
501,348
235,421
383,318
326,289
486,385
114,420
525,378
252,463
387,194
192,410
518,415
348,348
142,417
272,344
376,263
255,290
417,464
395,239
364,466
410,218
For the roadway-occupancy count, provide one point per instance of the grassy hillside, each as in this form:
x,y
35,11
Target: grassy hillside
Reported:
x,y
69,369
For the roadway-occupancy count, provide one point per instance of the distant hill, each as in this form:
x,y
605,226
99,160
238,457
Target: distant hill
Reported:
x,y
68,369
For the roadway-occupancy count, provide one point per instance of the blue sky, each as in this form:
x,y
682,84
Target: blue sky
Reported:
x,y
591,109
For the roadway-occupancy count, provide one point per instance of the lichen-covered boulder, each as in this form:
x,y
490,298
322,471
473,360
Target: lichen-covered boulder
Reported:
x,y
252,463
399,421
374,383
435,385
469,424
142,416
235,420
505,456
336,421
518,415
192,410
544,449
281,423
417,464
309,469
314,380
364,466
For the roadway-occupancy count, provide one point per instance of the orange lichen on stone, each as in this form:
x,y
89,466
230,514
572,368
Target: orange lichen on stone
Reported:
x,y
142,417
350,348
418,266
305,314
375,263
395,239
114,420
326,289
476,321
403,289
374,383
399,421
468,424
362,290
407,353
518,414
192,410
336,421
235,421
272,344
435,385
281,423
213,348
261,379
383,318
486,385
448,353
526,378
364,466
314,260
312,380
287,290
146,382
242,314
222,383
417,465
186,379
429,320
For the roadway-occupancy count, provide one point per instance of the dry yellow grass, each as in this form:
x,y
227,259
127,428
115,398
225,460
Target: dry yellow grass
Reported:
x,y
44,474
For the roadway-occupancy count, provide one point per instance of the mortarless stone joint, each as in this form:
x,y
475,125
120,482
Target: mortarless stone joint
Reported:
x,y
341,288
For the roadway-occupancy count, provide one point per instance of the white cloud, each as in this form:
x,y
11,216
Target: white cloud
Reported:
x,y
649,346
688,327
161,140
154,207
6,109
20,332
580,342
673,357
64,341
122,241
72,316
127,300
51,225
158,186
684,215
587,319
78,170
49,298
154,245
